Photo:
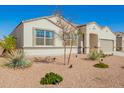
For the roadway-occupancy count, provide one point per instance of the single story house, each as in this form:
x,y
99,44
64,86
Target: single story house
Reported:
x,y
119,41
42,36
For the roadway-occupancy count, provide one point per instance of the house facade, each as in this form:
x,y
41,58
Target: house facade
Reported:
x,y
42,36
119,41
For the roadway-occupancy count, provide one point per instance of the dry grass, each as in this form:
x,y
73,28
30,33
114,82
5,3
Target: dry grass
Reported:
x,y
82,73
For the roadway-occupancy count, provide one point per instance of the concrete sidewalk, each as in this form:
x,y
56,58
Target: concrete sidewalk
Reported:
x,y
119,53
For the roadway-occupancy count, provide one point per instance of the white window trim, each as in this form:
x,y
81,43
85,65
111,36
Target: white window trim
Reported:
x,y
34,36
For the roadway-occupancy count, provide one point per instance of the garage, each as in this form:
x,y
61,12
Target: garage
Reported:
x,y
106,45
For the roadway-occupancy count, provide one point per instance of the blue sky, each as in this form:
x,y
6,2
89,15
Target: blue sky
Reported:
x,y
112,16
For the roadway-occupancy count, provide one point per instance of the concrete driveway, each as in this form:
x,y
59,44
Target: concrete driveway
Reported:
x,y
119,53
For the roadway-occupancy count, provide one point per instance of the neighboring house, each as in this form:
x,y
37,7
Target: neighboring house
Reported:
x,y
97,37
119,41
41,36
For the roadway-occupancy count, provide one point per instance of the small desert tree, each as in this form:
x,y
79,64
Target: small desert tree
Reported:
x,y
73,41
63,33
8,44
66,30
75,35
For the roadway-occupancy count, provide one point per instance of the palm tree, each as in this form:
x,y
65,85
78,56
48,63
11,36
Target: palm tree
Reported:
x,y
8,44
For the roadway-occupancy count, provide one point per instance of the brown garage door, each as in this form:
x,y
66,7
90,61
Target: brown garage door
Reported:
x,y
106,45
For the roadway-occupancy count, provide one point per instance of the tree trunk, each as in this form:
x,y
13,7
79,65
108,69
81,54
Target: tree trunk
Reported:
x,y
4,52
70,52
64,53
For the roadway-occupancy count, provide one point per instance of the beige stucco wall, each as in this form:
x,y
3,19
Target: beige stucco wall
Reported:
x,y
102,33
63,21
86,46
41,24
25,35
53,51
29,46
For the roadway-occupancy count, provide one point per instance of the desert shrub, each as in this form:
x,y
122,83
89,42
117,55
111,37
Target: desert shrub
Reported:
x,y
110,54
102,55
101,65
17,60
118,49
51,78
93,55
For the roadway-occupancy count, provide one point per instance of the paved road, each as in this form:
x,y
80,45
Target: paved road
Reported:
x,y
119,53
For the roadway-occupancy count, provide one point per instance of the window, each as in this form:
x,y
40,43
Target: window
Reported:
x,y
49,38
118,35
44,37
71,40
40,33
94,28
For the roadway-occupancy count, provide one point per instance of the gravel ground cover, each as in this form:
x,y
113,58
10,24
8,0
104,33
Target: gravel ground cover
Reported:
x,y
81,75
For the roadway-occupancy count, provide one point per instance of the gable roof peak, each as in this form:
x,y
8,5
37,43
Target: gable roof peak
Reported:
x,y
92,22
33,19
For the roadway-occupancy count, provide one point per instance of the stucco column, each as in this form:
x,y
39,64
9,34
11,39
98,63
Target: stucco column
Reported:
x,y
98,44
122,44
114,45
87,43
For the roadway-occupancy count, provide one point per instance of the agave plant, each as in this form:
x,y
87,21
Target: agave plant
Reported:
x,y
18,60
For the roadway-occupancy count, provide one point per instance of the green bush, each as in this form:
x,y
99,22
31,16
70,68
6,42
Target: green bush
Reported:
x,y
8,44
17,60
101,65
51,78
102,55
94,55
